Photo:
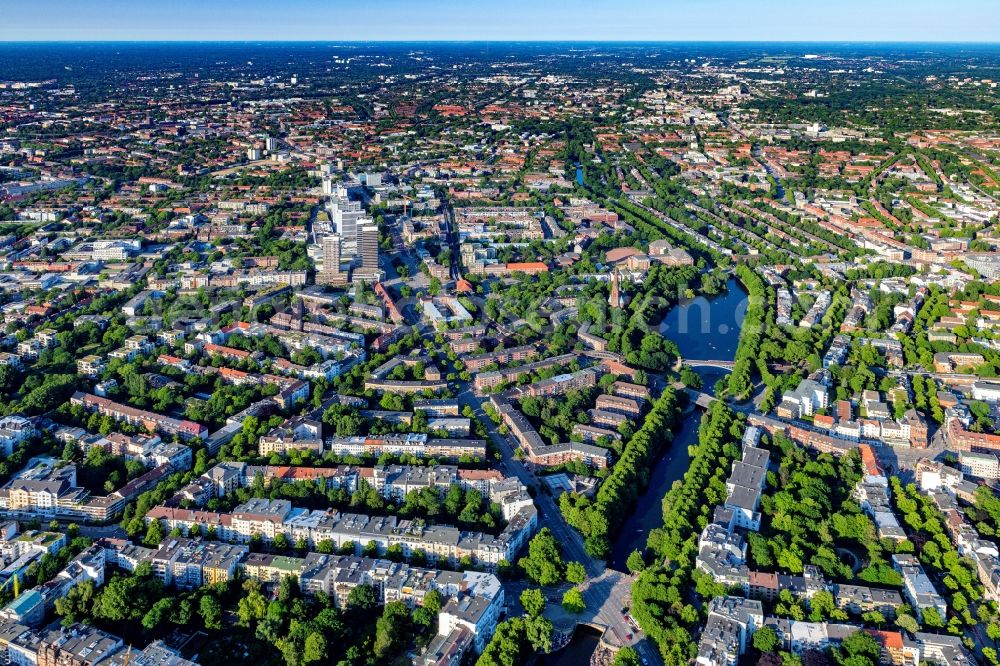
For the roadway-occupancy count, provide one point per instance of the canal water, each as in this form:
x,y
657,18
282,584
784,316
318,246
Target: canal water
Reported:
x,y
703,329
577,652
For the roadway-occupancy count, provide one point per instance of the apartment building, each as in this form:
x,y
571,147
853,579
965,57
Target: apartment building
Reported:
x,y
488,380
626,406
76,645
809,396
633,391
986,391
417,444
607,419
500,357
91,365
946,362
589,434
537,451
189,564
54,494
14,429
979,465
299,434
564,452
859,599
395,481
745,486
264,519
437,408
730,626
149,420
561,384
518,425
477,615
919,589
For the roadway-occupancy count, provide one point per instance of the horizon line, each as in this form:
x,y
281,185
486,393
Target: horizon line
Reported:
x,y
495,41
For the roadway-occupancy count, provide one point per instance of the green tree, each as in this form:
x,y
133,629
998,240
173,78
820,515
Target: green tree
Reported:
x,y
626,656
533,601
211,612
635,561
862,644
573,601
932,618
575,573
390,628
183,613
154,533
362,597
117,601
821,605
874,617
252,607
433,601
77,605
907,622
543,564
314,648
538,631
765,639
158,614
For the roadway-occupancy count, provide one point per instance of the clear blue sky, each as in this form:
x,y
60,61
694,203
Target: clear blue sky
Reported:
x,y
752,20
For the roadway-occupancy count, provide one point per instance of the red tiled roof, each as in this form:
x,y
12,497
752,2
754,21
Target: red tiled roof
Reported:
x,y
527,266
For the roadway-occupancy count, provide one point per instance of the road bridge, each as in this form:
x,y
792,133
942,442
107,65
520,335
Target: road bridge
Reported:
x,y
778,367
707,363
703,400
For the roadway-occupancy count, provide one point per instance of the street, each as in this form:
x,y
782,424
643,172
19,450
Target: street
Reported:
x,y
548,512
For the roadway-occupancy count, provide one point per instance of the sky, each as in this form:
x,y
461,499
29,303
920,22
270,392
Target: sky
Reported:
x,y
528,20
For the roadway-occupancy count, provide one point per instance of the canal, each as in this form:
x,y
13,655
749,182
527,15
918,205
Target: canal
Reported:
x,y
705,329
577,652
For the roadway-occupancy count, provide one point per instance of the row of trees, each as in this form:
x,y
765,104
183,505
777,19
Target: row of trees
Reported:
x,y
813,228
661,599
597,520
740,382
960,583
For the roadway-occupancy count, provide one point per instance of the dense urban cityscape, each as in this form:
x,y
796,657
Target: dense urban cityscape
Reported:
x,y
552,353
